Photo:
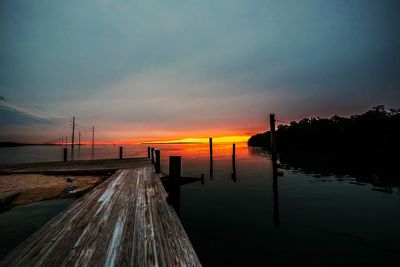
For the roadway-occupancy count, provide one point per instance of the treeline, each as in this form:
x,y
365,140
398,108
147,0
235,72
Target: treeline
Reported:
x,y
377,130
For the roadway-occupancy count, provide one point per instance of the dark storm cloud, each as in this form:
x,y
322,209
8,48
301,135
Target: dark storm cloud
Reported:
x,y
219,60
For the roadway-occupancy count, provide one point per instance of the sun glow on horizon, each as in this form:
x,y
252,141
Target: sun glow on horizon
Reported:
x,y
188,140
203,140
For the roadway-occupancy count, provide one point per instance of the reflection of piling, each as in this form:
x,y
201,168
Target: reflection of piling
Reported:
x,y
275,190
211,159
65,154
152,155
174,176
234,162
272,128
120,152
148,152
158,161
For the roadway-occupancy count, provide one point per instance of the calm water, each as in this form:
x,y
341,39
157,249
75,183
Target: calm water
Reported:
x,y
313,220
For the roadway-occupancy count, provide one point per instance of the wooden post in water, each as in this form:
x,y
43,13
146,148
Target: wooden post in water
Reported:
x,y
148,152
174,176
158,161
65,154
272,129
211,159
120,152
152,155
234,162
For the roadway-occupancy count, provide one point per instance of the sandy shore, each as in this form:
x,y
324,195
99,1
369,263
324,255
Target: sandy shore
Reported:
x,y
19,189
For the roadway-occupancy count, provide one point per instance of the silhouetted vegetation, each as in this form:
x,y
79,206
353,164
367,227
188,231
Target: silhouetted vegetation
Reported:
x,y
364,146
376,130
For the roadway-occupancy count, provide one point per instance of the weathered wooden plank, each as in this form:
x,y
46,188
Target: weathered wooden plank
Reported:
x,y
125,221
184,254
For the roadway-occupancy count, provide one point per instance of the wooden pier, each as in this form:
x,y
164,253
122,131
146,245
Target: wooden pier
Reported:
x,y
73,167
125,221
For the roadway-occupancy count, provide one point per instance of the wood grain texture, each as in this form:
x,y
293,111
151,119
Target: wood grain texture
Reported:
x,y
125,221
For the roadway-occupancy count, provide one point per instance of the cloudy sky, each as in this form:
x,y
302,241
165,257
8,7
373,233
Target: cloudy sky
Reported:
x,y
141,70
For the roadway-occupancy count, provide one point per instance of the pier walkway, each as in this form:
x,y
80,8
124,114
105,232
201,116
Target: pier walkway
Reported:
x,y
125,221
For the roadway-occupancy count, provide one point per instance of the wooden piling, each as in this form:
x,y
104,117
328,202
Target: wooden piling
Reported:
x,y
120,152
211,159
174,176
158,161
211,148
148,152
65,154
233,160
234,156
272,129
152,155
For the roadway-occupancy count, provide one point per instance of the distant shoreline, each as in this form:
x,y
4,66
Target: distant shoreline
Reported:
x,y
374,131
16,144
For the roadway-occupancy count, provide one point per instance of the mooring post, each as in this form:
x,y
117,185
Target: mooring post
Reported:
x,y
65,154
174,176
152,155
234,158
158,161
120,152
148,152
272,129
211,159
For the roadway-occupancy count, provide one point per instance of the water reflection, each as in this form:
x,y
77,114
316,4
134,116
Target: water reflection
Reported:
x,y
382,176
275,190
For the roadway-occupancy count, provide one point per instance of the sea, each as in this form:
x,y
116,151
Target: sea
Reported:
x,y
263,212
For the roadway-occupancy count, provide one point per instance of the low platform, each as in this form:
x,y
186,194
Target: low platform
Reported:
x,y
78,166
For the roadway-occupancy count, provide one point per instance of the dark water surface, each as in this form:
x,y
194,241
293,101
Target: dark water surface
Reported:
x,y
20,222
310,219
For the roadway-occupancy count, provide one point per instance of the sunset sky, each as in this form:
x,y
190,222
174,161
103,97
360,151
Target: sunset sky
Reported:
x,y
166,70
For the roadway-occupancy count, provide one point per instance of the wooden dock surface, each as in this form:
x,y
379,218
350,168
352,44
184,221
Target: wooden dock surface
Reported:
x,y
82,166
125,221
